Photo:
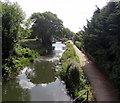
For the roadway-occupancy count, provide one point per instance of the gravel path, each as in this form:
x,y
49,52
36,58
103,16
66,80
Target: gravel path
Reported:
x,y
102,88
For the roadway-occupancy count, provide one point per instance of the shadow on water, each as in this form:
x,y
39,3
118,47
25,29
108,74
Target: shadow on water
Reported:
x,y
38,81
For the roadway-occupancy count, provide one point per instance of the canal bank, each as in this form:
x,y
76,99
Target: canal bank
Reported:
x,y
101,86
38,81
74,77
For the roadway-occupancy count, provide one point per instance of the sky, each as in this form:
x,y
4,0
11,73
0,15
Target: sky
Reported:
x,y
73,13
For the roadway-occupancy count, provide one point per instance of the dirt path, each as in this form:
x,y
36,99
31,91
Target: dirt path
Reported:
x,y
102,89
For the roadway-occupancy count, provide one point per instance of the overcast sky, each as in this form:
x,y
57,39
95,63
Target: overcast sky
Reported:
x,y
73,13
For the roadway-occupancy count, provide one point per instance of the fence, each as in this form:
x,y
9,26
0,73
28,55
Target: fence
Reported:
x,y
85,100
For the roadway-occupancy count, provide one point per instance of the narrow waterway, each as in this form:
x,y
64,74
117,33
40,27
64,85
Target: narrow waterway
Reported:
x,y
38,81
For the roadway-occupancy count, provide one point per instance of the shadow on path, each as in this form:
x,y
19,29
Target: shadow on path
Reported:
x,y
101,86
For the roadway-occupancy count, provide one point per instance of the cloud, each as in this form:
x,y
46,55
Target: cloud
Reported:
x,y
72,12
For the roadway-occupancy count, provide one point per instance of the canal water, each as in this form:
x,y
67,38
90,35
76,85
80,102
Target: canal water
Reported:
x,y
38,81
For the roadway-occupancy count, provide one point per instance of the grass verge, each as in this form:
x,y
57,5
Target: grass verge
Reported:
x,y
72,74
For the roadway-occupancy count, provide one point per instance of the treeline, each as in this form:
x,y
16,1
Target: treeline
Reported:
x,y
48,27
43,26
40,29
101,40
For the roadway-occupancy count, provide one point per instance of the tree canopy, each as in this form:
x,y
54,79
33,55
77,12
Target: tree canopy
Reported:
x,y
101,39
12,17
45,25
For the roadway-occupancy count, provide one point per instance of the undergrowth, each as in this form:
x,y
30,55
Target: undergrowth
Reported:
x,y
20,57
72,74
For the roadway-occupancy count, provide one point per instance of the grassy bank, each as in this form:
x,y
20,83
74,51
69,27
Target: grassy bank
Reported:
x,y
72,74
19,58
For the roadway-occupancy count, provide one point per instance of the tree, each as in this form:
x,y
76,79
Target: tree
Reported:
x,y
12,17
67,33
25,29
45,25
101,40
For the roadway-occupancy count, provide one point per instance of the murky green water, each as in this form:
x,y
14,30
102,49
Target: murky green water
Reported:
x,y
38,81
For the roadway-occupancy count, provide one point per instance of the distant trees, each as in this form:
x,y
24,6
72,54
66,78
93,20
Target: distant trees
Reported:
x,y
12,17
67,33
45,25
101,39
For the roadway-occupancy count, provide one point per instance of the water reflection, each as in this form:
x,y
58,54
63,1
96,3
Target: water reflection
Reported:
x,y
59,48
44,72
12,91
38,81
54,91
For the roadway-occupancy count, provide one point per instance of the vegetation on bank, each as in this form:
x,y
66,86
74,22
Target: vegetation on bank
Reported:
x,y
14,55
34,44
47,27
40,28
78,44
21,56
72,74
100,40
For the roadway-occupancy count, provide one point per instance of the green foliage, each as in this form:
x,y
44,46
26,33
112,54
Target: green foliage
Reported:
x,y
25,30
70,53
26,52
78,44
34,44
7,69
101,40
12,17
22,56
66,33
78,36
45,25
62,74
71,73
73,77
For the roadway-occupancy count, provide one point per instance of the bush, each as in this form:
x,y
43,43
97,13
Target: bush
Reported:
x,y
22,56
78,44
72,74
69,53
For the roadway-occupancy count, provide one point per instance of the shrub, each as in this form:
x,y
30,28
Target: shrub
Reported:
x,y
22,56
78,44
72,74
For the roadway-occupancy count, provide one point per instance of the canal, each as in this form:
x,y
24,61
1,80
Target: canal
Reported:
x,y
39,80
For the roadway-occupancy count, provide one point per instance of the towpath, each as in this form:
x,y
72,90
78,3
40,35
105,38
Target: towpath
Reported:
x,y
101,86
